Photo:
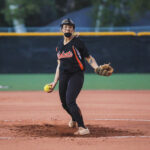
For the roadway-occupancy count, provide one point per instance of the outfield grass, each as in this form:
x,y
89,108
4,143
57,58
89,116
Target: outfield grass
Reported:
x,y
16,82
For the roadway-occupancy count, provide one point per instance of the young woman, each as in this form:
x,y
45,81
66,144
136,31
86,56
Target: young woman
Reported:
x,y
71,53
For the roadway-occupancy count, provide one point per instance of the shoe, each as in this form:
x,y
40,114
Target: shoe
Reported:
x,y
82,131
72,124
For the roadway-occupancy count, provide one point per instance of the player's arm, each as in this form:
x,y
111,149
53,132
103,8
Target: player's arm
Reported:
x,y
92,62
104,70
57,73
53,84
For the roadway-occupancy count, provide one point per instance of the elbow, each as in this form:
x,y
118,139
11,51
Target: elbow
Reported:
x,y
88,58
91,58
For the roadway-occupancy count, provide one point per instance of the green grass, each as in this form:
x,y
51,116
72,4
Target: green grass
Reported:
x,y
20,82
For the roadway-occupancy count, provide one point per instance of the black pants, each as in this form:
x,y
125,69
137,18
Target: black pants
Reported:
x,y
70,86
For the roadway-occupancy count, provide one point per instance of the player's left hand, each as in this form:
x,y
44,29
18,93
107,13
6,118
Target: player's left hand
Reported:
x,y
104,70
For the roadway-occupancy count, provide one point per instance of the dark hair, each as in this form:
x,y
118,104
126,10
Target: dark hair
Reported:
x,y
67,21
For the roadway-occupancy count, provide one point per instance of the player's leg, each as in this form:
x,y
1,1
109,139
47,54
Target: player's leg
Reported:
x,y
63,83
74,87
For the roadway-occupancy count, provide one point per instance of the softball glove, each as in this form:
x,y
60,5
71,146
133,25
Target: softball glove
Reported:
x,y
104,70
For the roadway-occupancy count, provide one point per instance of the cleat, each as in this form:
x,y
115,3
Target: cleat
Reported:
x,y
82,131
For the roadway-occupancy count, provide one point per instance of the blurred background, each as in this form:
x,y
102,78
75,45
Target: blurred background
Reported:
x,y
89,15
115,31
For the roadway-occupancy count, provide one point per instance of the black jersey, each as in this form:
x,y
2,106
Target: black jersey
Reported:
x,y
72,56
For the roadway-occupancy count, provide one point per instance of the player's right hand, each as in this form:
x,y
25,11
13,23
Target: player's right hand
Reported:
x,y
52,85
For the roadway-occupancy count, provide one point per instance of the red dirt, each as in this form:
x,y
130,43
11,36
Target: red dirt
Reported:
x,y
36,120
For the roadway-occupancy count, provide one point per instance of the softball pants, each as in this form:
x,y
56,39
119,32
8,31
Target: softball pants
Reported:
x,y
70,86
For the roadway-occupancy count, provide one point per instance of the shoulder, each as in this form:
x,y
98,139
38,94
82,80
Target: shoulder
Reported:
x,y
59,44
78,41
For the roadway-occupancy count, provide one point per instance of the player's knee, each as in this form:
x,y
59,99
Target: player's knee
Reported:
x,y
71,104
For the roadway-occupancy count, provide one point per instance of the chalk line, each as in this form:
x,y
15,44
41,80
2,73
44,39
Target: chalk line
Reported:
x,y
6,138
123,137
138,120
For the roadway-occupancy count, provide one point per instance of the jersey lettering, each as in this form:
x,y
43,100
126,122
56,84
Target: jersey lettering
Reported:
x,y
64,55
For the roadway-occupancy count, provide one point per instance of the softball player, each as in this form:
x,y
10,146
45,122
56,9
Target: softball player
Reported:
x,y
71,53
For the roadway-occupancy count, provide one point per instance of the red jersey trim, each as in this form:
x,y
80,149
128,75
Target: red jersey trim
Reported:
x,y
79,62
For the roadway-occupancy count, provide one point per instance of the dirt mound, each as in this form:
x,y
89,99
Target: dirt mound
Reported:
x,y
48,130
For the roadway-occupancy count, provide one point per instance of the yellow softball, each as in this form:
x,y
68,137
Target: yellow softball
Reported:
x,y
47,88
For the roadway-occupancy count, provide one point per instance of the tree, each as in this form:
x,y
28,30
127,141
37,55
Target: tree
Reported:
x,y
138,8
118,12
2,17
38,12
22,9
66,6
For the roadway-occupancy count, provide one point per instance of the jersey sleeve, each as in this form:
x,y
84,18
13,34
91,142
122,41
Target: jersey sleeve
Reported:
x,y
83,49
